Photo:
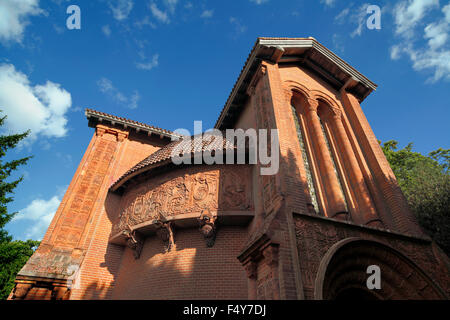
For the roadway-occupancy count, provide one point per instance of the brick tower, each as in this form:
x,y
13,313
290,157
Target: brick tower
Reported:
x,y
133,225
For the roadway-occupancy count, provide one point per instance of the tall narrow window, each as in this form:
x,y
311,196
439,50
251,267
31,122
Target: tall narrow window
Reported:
x,y
334,163
309,179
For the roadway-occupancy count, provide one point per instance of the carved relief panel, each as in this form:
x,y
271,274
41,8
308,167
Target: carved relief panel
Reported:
x,y
187,191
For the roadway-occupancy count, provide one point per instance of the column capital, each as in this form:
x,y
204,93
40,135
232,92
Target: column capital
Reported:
x,y
313,104
333,114
336,113
288,94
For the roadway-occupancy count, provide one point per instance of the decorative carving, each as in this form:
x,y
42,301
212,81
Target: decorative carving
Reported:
x,y
60,293
165,233
134,242
21,290
234,191
263,108
208,227
218,189
75,214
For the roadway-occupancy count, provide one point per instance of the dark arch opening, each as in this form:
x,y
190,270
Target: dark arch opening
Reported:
x,y
343,274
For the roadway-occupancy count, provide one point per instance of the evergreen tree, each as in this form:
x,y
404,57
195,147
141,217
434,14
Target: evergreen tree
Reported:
x,y
13,254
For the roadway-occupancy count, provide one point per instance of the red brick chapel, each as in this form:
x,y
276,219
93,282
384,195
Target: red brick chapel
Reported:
x,y
133,225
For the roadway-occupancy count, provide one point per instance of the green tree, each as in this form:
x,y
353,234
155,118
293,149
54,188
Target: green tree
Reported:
x,y
13,254
425,181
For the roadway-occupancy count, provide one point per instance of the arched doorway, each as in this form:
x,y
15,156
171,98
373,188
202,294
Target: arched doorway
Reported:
x,y
343,274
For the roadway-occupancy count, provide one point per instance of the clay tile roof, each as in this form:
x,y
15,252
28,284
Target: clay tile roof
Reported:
x,y
161,157
129,123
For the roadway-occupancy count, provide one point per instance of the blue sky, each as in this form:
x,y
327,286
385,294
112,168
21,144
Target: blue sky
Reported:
x,y
170,62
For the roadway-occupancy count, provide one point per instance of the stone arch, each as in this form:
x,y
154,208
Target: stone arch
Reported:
x,y
294,86
342,273
298,95
327,105
322,96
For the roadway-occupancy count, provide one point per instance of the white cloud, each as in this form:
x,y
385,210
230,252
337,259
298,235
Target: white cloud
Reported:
x,y
437,33
106,86
437,61
159,14
434,56
207,14
259,1
106,30
171,5
446,11
40,108
121,8
357,16
149,64
39,213
145,22
238,26
338,43
409,13
14,17
340,18
396,52
328,3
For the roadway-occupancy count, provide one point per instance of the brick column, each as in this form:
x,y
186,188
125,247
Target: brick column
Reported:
x,y
250,268
334,197
367,214
271,259
402,219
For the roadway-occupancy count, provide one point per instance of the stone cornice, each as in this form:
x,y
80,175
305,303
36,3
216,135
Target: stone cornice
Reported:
x,y
96,117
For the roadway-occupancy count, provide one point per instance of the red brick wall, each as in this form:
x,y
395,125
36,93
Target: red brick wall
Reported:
x,y
191,271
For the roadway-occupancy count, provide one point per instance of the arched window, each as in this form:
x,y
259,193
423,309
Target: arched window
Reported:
x,y
322,170
306,160
326,134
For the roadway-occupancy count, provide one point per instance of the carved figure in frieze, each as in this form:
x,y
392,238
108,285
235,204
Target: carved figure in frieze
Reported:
x,y
165,233
134,242
208,227
233,195
177,196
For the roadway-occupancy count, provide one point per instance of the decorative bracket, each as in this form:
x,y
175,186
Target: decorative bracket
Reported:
x,y
134,242
165,233
208,227
60,293
21,290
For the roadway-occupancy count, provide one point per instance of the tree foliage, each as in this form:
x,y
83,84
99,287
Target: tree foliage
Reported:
x,y
425,181
13,254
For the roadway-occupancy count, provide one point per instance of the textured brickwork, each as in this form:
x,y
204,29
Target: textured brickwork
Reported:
x,y
191,271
